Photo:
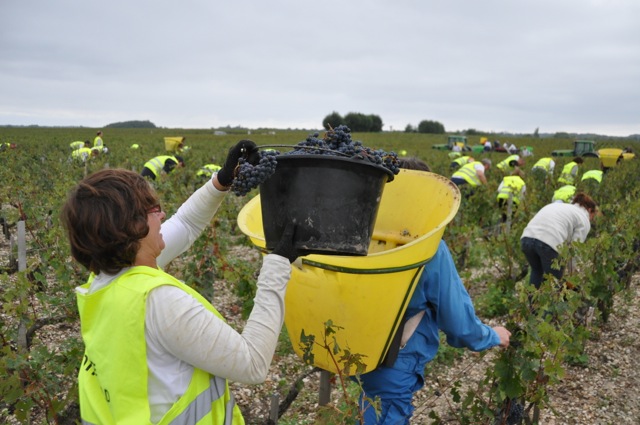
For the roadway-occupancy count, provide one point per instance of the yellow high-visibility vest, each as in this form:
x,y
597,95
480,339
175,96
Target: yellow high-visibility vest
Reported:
x,y
564,194
81,154
156,164
468,173
566,177
593,174
544,163
113,377
511,187
207,170
504,164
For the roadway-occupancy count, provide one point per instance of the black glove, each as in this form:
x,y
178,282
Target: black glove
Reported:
x,y
243,149
286,247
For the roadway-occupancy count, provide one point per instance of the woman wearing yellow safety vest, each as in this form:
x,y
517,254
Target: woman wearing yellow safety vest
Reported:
x,y
512,188
570,171
161,164
156,351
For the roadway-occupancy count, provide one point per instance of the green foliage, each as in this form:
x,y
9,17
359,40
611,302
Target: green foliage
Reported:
x,y
332,120
345,362
429,126
357,121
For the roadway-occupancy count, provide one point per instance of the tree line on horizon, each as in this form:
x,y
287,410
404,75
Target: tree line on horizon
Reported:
x,y
359,122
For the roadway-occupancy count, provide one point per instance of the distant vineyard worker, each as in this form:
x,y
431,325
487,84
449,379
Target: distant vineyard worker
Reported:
x,y
472,174
570,171
564,194
78,144
207,170
511,187
555,224
97,141
163,164
487,146
510,163
156,351
440,302
460,161
544,166
593,175
526,151
84,154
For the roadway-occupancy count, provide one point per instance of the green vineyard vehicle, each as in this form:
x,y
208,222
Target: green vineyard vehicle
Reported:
x,y
453,141
583,148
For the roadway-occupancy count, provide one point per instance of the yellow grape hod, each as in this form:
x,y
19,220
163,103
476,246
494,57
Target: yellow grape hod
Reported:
x,y
366,295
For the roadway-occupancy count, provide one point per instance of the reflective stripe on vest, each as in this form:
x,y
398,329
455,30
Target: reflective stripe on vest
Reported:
x,y
566,177
469,174
511,186
113,378
504,164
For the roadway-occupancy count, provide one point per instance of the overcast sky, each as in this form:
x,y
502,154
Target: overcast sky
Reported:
x,y
492,65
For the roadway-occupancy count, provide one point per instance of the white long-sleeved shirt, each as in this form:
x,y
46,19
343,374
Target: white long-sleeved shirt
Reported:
x,y
181,334
558,223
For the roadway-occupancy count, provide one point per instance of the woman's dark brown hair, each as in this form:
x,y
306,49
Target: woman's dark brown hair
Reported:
x,y
585,202
105,216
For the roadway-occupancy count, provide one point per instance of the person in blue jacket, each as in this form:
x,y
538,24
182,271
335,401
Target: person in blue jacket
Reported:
x,y
439,303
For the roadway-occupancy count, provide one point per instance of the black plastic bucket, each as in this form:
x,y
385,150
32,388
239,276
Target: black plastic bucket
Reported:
x,y
334,201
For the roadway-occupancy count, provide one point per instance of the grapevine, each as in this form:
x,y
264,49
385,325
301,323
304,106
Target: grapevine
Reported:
x,y
336,142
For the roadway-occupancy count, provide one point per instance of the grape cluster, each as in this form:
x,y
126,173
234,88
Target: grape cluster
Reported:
x,y
516,413
248,176
512,413
338,141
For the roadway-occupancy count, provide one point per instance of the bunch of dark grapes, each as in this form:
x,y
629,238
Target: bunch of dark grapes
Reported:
x,y
248,176
512,413
338,141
